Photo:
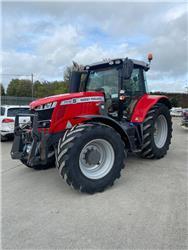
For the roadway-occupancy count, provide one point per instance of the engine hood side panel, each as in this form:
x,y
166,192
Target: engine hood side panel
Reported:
x,y
63,97
67,111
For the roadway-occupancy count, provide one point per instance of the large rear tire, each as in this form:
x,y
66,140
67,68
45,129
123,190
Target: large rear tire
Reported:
x,y
90,157
157,132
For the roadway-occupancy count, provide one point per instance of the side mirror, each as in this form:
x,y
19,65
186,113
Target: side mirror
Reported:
x,y
127,68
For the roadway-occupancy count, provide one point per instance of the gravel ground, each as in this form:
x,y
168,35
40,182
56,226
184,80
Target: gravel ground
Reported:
x,y
145,209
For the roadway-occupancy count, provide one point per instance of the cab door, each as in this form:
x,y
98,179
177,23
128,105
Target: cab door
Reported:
x,y
135,88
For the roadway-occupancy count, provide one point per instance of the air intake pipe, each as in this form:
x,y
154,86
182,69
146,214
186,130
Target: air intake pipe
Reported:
x,y
75,82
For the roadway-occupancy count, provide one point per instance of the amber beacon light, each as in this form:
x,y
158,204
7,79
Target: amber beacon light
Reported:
x,y
150,57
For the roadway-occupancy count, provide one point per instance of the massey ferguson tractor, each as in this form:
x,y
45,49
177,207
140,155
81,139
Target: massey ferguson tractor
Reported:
x,y
88,132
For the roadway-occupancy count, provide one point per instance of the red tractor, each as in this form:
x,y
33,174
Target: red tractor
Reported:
x,y
88,132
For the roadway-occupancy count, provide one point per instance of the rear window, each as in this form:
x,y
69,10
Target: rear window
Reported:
x,y
2,111
14,111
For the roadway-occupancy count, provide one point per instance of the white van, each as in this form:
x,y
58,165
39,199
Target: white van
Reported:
x,y
7,118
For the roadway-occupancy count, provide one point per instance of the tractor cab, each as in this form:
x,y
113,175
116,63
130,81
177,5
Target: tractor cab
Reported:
x,y
122,81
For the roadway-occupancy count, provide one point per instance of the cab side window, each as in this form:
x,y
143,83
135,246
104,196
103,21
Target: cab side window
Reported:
x,y
134,85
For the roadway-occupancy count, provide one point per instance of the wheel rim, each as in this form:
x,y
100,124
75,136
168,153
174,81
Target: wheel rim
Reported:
x,y
96,159
161,131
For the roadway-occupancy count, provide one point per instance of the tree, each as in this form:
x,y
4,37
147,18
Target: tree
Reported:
x,y
20,88
59,87
67,73
174,101
2,89
40,89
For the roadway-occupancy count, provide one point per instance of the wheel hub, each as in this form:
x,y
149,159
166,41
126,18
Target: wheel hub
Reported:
x,y
92,156
96,158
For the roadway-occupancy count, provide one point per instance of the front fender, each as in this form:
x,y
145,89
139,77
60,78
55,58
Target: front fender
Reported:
x,y
112,123
145,103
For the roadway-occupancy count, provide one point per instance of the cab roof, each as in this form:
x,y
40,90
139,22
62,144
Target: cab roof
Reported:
x,y
107,63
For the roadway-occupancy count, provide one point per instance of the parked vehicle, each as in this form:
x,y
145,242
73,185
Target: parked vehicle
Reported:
x,y
184,121
89,131
176,112
7,119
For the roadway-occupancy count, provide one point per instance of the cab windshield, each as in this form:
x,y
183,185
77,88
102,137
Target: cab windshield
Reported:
x,y
104,79
107,80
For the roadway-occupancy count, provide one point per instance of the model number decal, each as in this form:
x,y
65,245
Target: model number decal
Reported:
x,y
83,99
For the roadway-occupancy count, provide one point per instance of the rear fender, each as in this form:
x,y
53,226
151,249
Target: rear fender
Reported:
x,y
145,103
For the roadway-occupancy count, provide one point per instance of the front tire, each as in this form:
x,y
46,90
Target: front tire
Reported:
x,y
90,157
157,132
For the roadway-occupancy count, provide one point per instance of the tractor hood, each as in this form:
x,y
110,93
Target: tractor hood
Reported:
x,y
63,97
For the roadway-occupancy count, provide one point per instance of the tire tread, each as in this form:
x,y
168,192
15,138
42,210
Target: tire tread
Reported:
x,y
147,149
66,144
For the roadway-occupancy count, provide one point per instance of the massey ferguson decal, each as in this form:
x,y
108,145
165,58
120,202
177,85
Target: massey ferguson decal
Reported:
x,y
83,99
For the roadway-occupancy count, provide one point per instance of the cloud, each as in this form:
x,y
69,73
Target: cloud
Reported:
x,y
175,12
172,45
97,53
45,37
60,46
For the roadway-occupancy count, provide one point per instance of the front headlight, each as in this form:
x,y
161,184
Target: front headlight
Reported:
x,y
39,107
49,105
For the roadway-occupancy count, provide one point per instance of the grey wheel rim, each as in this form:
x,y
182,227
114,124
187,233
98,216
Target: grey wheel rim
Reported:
x,y
161,131
96,159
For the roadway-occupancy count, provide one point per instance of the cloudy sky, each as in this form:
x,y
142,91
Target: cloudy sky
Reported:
x,y
45,37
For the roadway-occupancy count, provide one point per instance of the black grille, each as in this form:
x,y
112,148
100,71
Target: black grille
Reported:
x,y
45,114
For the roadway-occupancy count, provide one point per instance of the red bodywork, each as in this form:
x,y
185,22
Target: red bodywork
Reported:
x,y
144,104
70,107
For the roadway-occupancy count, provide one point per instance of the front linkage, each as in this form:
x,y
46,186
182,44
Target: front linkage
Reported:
x,y
30,144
